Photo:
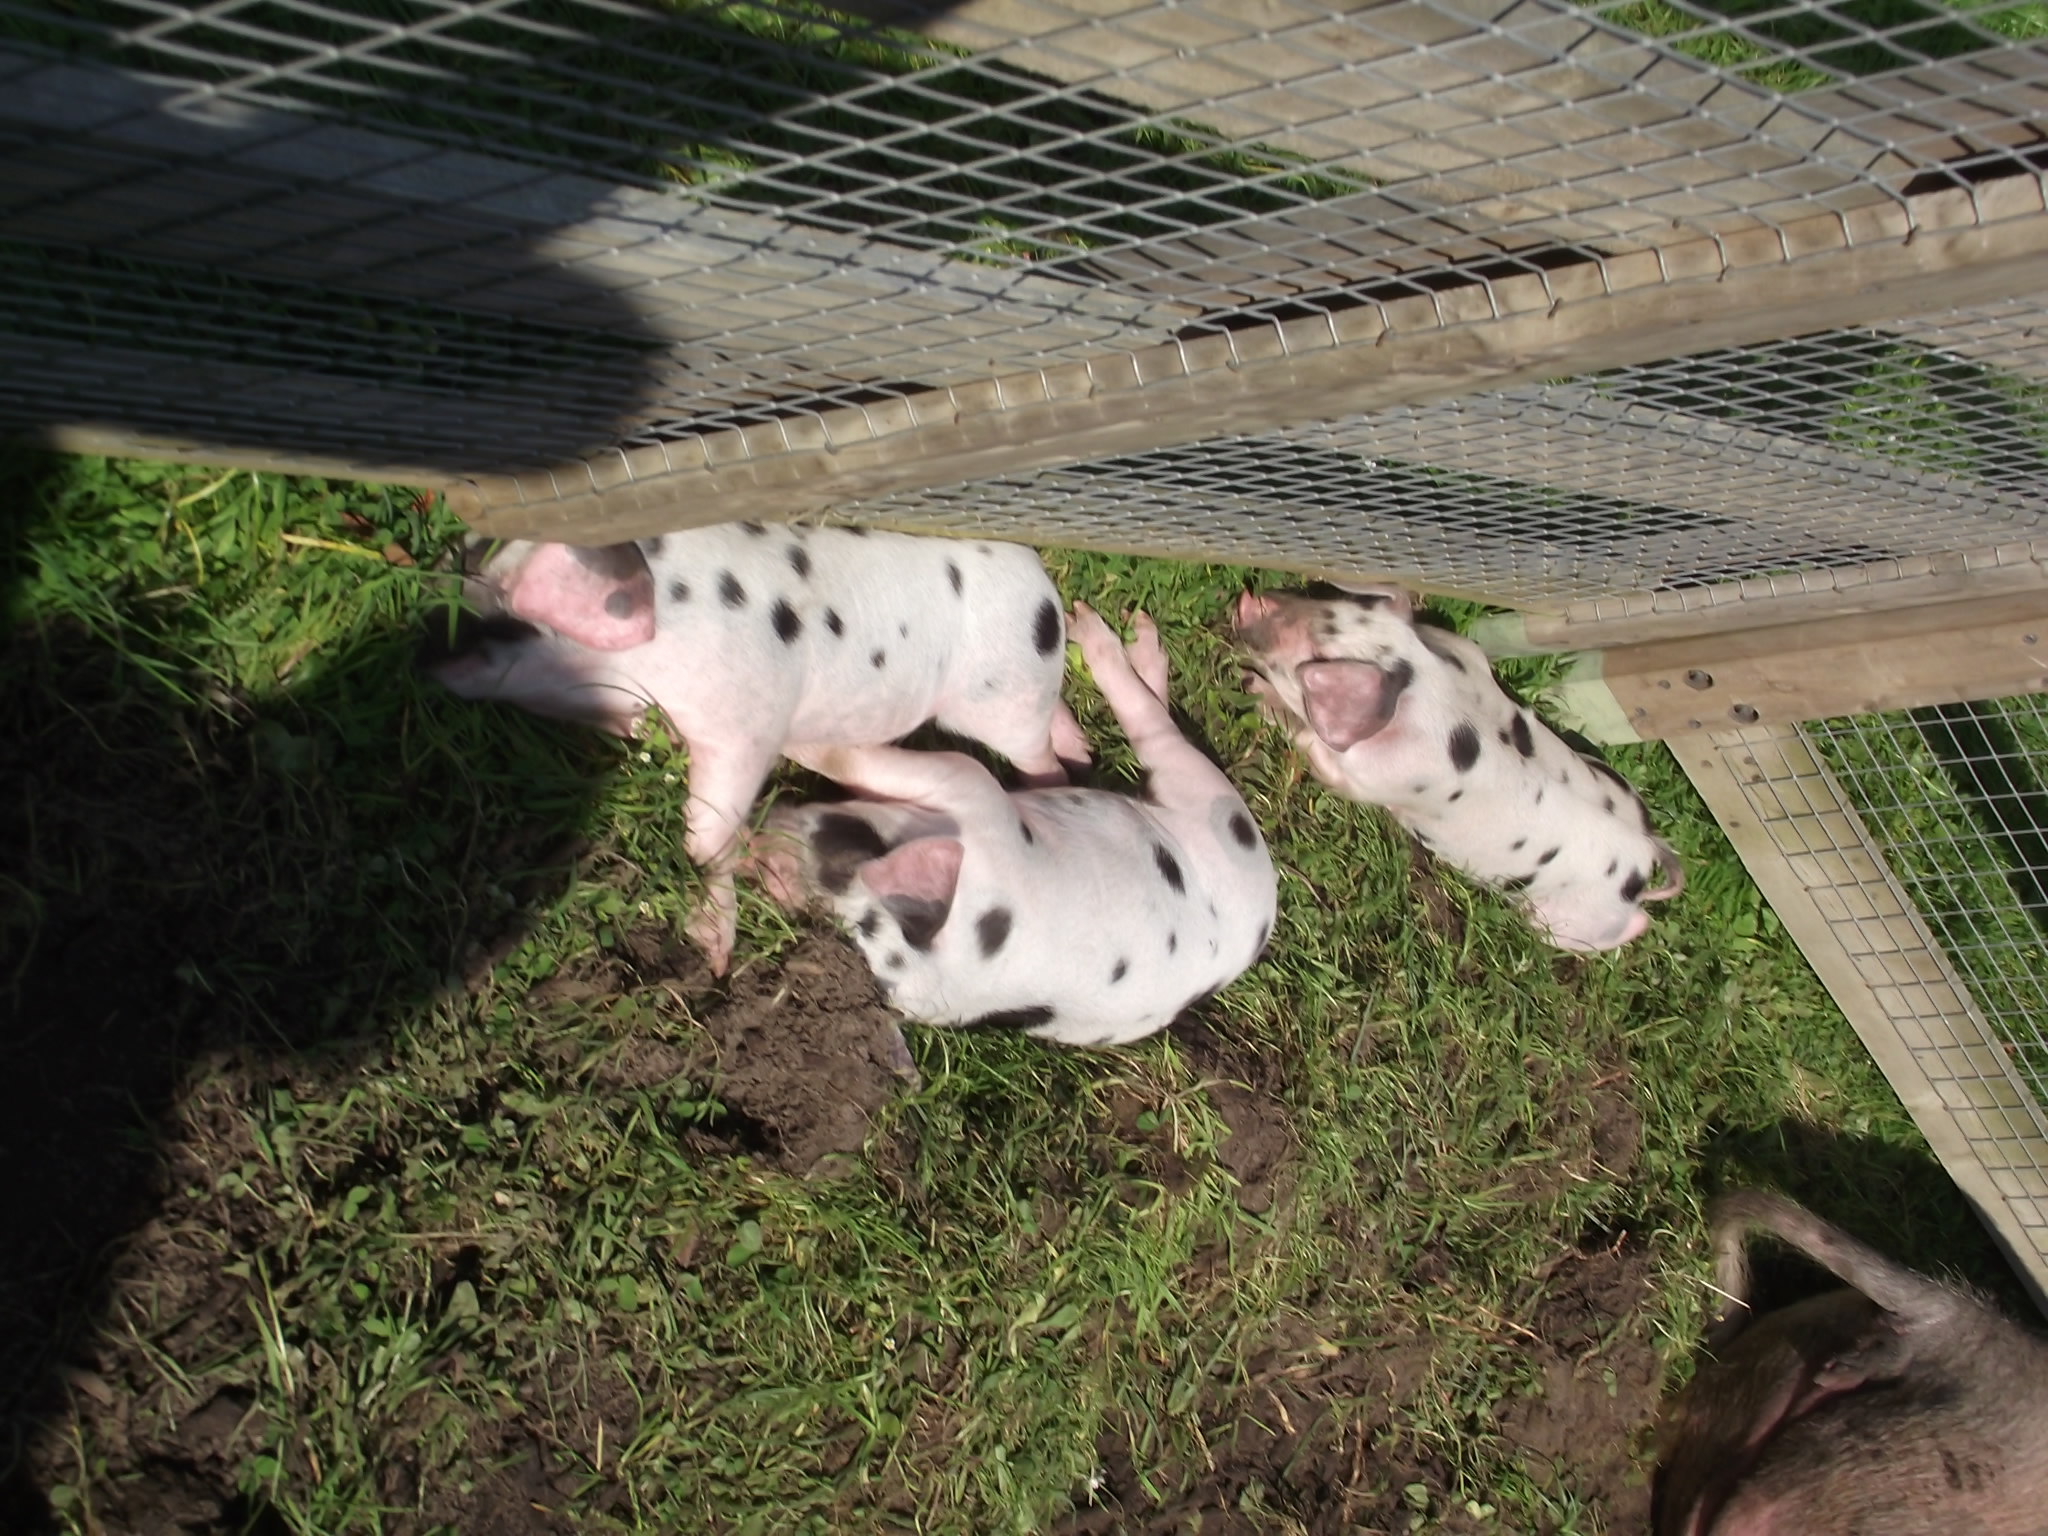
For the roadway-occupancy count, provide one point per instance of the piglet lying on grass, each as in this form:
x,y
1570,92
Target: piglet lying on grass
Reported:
x,y
1076,915
1409,717
755,641
1898,1408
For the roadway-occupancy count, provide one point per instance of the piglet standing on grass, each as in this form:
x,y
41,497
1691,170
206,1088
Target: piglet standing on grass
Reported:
x,y
755,641
1076,915
1409,717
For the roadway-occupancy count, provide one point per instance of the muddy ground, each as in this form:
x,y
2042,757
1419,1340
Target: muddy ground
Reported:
x,y
804,1055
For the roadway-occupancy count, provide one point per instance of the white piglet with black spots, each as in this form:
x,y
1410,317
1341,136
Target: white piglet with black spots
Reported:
x,y
756,641
1409,717
1077,915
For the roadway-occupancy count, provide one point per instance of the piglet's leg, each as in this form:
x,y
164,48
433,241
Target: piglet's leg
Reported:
x,y
724,779
950,781
1133,680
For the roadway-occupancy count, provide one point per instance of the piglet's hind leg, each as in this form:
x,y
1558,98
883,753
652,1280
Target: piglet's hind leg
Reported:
x,y
1137,699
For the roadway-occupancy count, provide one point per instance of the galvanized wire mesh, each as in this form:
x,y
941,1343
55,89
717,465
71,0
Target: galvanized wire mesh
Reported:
x,y
1835,450
1953,797
751,210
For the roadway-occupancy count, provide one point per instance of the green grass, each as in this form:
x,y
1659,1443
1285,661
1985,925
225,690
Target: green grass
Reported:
x,y
447,1207
1790,51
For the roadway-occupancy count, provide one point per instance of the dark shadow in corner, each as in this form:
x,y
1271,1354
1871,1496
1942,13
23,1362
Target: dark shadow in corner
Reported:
x,y
282,875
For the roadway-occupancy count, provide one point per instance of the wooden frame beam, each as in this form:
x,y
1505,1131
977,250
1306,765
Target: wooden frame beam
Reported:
x,y
1853,664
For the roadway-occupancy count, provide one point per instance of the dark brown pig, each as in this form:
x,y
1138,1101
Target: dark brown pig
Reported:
x,y
1902,1407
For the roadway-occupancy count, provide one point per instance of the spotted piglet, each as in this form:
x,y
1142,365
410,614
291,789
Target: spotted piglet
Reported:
x,y
1077,915
754,642
1409,717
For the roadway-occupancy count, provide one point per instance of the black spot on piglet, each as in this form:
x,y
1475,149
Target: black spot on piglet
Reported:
x,y
841,844
1632,887
1464,747
992,930
787,625
679,591
1524,742
1169,869
1045,628
1119,970
920,920
1241,829
800,561
953,577
730,592
833,622
1034,1017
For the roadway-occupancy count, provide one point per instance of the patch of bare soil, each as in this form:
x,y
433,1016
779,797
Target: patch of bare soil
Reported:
x,y
805,1050
1314,1437
805,1054
1599,1381
808,1052
1306,1439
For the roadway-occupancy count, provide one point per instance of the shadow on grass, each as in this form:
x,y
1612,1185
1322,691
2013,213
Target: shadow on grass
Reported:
x,y
285,872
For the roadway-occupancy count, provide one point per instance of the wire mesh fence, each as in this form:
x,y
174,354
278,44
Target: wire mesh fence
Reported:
x,y
1314,286
1952,797
1829,451
1904,851
704,215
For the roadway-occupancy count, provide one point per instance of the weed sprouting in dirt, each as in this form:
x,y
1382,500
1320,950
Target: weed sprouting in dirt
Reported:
x,y
383,1160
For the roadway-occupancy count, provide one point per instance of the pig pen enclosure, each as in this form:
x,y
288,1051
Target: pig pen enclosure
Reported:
x,y
380,1157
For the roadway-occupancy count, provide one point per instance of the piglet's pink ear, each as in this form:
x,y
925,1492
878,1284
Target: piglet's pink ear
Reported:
x,y
602,597
916,881
1348,701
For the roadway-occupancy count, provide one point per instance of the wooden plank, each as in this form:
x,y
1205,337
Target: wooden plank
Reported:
x,y
1853,664
1683,613
1812,858
1921,254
